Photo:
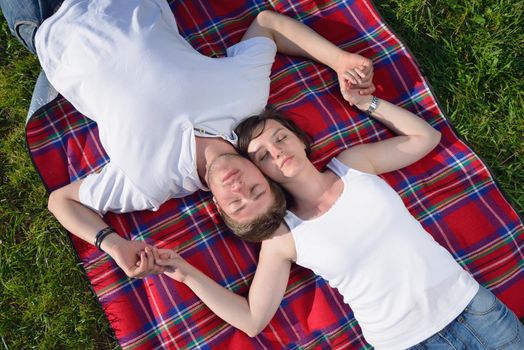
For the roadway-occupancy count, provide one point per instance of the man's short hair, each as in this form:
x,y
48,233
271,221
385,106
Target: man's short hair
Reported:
x,y
263,226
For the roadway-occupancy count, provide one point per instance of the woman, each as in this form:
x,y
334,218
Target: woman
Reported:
x,y
351,228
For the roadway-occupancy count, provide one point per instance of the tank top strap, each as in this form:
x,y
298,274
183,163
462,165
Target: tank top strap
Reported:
x,y
342,170
339,168
291,220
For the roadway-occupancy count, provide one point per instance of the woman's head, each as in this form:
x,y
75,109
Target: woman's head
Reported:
x,y
275,144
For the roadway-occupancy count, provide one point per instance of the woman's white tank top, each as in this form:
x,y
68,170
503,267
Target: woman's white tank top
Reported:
x,y
402,286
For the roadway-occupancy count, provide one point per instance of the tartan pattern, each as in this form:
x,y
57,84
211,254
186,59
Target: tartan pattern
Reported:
x,y
450,191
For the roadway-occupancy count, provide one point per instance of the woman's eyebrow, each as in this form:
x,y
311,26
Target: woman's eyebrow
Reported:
x,y
276,131
253,153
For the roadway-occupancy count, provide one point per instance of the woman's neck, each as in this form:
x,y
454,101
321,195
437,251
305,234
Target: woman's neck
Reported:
x,y
312,190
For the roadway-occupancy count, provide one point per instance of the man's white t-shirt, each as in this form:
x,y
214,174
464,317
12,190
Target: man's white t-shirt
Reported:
x,y
123,64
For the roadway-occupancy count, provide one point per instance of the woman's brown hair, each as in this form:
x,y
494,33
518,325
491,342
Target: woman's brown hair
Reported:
x,y
253,126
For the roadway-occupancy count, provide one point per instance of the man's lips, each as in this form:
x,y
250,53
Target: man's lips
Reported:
x,y
229,175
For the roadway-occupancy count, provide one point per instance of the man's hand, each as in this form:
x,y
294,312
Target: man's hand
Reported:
x,y
135,258
175,266
354,72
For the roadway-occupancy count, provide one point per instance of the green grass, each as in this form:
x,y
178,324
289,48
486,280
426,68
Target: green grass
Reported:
x,y
472,54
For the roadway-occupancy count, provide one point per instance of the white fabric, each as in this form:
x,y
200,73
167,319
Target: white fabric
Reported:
x,y
401,284
123,64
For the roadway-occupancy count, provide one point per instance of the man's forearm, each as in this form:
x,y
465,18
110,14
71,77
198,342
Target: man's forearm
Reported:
x,y
80,220
295,38
76,218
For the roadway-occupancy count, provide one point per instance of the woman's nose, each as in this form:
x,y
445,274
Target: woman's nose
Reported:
x,y
276,152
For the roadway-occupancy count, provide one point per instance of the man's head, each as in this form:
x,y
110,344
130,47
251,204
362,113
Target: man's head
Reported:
x,y
250,205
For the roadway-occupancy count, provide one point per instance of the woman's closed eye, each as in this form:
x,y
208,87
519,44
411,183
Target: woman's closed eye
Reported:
x,y
281,138
263,156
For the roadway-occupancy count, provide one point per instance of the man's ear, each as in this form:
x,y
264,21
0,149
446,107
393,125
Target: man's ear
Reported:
x,y
216,218
216,205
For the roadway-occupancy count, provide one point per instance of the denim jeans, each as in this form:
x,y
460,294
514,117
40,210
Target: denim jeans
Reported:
x,y
486,323
25,16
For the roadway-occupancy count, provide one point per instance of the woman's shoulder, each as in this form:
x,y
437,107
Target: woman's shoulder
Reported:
x,y
280,244
355,158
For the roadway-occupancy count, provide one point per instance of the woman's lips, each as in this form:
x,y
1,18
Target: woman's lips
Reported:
x,y
286,161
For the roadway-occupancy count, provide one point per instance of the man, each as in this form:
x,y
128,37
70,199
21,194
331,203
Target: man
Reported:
x,y
165,112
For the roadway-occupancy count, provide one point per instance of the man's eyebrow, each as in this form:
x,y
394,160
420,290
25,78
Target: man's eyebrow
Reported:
x,y
243,206
239,209
259,195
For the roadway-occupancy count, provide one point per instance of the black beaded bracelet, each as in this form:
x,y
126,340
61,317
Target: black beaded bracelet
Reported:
x,y
100,235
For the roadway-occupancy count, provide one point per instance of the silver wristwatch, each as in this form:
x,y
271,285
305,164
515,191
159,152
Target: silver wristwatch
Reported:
x,y
373,106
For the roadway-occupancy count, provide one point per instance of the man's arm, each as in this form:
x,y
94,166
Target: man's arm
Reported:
x,y
78,219
294,38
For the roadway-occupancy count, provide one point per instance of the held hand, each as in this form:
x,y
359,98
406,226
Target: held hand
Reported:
x,y
174,265
362,102
354,72
135,258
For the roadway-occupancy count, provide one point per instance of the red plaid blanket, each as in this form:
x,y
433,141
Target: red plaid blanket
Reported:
x,y
450,191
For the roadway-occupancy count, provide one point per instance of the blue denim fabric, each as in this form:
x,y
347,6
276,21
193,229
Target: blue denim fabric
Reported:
x,y
25,16
486,323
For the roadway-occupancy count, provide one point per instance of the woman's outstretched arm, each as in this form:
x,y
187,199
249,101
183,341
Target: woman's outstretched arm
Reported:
x,y
295,38
415,139
251,315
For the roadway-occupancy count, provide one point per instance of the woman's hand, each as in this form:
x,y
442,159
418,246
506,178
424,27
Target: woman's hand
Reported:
x,y
354,72
175,266
135,258
354,98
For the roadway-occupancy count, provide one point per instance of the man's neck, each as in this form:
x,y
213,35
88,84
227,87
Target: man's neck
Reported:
x,y
207,150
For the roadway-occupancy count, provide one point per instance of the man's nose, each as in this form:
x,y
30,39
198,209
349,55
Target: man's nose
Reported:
x,y
237,185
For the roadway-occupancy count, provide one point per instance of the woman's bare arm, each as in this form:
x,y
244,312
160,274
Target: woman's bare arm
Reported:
x,y
415,139
252,314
